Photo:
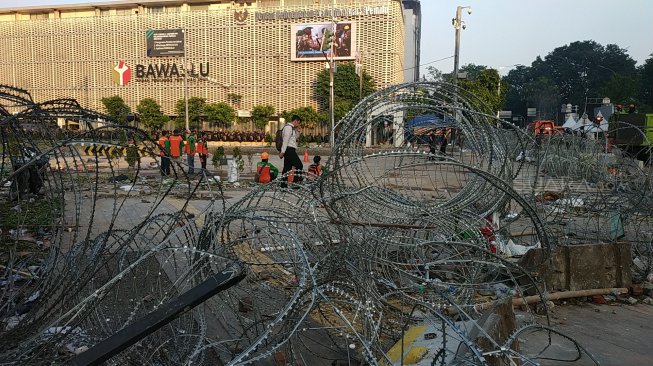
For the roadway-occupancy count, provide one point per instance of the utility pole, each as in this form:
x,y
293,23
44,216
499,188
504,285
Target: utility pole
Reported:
x,y
458,23
332,64
185,82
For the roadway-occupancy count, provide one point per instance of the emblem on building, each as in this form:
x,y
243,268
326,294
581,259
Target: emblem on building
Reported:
x,y
121,73
240,16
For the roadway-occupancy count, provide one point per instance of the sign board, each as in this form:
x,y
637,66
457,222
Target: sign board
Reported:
x,y
165,42
310,42
244,113
531,112
505,114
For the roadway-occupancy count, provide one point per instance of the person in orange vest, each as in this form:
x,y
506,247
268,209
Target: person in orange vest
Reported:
x,y
202,150
265,171
189,150
176,145
316,168
164,146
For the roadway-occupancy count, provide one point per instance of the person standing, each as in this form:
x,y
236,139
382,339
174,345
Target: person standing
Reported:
x,y
291,161
164,152
203,149
445,141
189,150
176,145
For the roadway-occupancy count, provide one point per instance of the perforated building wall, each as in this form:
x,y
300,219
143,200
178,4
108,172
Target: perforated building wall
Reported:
x,y
74,56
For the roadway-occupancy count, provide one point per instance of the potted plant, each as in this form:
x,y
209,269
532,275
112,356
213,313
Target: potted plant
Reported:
x,y
218,159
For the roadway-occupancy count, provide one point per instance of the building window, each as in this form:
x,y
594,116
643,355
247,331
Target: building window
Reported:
x,y
173,9
39,16
268,3
155,9
123,11
199,7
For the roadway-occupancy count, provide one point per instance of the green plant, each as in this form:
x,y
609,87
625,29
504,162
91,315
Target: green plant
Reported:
x,y
238,157
261,115
250,159
131,156
220,114
116,108
218,157
268,139
302,141
150,114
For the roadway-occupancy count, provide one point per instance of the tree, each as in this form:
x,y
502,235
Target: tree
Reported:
x,y
433,74
195,110
151,115
346,87
261,115
219,114
542,93
581,69
473,71
235,99
621,89
646,86
116,108
486,86
309,115
570,74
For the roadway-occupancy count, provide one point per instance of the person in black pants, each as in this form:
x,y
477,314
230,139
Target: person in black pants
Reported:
x,y
289,149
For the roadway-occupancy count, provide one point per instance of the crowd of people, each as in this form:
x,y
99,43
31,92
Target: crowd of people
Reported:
x,y
172,148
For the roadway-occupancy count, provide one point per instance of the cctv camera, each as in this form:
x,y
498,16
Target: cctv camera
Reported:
x,y
469,11
464,26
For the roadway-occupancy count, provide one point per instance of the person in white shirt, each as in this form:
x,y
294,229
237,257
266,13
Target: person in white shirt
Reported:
x,y
289,148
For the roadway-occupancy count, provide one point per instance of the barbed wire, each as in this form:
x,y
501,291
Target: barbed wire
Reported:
x,y
339,267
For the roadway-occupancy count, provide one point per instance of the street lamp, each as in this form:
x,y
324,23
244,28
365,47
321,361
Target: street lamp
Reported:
x,y
458,23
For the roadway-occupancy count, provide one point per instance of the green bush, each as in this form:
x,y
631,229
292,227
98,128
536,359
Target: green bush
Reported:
x,y
218,157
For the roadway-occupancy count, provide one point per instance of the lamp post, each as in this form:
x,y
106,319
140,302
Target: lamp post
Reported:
x,y
332,65
185,83
458,23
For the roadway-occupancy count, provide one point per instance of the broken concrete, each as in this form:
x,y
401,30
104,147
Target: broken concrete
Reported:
x,y
582,267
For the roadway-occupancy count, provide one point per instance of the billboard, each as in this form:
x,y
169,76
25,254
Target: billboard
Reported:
x,y
309,42
165,42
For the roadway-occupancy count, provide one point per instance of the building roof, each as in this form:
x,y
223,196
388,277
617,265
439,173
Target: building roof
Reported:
x,y
106,4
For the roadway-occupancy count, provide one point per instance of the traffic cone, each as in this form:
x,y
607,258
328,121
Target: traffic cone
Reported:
x,y
306,156
291,175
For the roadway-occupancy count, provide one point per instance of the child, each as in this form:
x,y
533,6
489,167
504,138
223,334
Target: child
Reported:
x,y
265,172
316,168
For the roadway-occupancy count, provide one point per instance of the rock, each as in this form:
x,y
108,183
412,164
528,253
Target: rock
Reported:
x,y
79,350
648,301
599,299
636,290
118,178
430,335
245,304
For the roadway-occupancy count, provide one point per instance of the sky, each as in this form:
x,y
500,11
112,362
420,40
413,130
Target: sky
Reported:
x,y
503,33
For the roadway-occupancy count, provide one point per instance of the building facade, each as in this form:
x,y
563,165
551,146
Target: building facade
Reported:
x,y
247,53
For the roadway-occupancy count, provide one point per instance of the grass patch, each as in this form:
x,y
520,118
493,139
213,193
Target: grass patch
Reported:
x,y
43,212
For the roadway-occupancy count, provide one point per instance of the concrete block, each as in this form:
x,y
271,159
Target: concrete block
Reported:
x,y
581,267
497,324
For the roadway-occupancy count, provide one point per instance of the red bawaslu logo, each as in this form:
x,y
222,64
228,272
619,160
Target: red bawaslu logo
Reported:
x,y
121,73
